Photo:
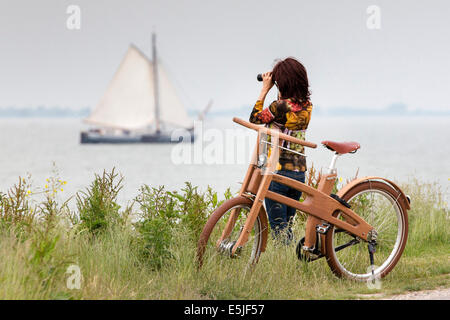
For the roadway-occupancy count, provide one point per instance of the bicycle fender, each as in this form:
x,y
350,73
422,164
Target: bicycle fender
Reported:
x,y
401,196
265,226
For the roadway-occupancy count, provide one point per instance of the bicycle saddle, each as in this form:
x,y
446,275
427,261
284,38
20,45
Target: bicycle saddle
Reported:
x,y
342,147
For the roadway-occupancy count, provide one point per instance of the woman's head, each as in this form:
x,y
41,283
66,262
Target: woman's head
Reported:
x,y
291,79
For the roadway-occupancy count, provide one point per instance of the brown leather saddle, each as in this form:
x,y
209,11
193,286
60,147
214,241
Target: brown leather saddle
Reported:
x,y
342,147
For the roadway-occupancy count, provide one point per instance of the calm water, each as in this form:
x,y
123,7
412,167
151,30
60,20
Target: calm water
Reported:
x,y
396,148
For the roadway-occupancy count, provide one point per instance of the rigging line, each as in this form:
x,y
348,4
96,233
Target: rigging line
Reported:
x,y
177,83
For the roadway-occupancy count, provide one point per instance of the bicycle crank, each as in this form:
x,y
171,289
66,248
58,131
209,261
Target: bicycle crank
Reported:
x,y
308,255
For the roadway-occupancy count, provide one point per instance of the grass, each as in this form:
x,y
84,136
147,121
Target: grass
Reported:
x,y
147,249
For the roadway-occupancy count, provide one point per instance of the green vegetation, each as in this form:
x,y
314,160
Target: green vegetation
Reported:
x,y
147,249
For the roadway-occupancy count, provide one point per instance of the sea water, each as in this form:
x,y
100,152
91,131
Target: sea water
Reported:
x,y
398,148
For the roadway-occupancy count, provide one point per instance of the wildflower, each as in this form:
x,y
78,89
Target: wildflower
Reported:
x,y
46,186
340,179
62,189
29,192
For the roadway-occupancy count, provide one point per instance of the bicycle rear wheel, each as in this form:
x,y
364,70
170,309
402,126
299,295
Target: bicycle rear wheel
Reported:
x,y
377,203
209,247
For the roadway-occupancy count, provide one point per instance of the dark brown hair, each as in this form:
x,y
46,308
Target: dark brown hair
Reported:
x,y
291,79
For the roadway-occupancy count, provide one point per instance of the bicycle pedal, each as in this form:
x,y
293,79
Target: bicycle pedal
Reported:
x,y
308,249
307,254
311,253
323,228
312,256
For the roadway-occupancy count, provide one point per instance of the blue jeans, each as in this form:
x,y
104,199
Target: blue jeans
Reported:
x,y
281,215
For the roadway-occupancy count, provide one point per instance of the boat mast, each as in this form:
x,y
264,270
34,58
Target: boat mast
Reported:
x,y
155,81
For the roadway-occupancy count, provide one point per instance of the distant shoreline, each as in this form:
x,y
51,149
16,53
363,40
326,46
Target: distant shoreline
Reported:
x,y
392,111
44,112
240,115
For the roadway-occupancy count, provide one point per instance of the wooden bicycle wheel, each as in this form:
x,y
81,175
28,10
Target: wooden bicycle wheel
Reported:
x,y
208,247
378,204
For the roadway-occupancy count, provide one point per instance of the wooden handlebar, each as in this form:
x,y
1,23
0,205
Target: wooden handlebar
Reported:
x,y
272,132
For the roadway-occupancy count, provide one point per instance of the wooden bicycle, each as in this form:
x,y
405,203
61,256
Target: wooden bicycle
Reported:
x,y
362,230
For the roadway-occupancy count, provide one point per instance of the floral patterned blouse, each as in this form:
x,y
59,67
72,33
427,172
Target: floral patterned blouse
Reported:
x,y
291,118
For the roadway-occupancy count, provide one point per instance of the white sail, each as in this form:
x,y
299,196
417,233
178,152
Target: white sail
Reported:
x,y
172,111
128,102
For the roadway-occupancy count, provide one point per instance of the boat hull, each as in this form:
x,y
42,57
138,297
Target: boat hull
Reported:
x,y
87,137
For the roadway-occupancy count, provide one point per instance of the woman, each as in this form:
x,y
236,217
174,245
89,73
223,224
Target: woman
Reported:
x,y
290,114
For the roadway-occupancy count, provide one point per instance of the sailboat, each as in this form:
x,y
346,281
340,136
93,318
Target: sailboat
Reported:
x,y
140,105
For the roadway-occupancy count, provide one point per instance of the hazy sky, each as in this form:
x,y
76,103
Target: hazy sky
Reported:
x,y
214,49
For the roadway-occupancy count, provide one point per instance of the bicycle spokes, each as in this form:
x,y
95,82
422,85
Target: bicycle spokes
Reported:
x,y
381,211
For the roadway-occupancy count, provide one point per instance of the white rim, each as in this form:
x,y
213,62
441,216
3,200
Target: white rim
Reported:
x,y
256,248
395,248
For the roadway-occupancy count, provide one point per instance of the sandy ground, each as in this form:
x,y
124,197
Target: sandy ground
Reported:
x,y
438,294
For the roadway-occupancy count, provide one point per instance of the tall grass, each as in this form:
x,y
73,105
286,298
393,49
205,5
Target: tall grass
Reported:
x,y
147,249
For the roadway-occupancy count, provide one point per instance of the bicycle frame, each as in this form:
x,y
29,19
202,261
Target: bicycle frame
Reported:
x,y
318,204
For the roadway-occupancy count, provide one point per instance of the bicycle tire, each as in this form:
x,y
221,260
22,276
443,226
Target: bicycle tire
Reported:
x,y
350,264
216,222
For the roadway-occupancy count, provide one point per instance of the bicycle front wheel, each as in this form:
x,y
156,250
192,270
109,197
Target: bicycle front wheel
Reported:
x,y
213,250
377,203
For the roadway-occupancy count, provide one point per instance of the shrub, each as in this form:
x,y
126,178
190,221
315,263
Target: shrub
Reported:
x,y
97,206
156,219
164,215
15,208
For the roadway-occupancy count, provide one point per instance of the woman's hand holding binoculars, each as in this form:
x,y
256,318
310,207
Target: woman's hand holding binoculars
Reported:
x,y
266,79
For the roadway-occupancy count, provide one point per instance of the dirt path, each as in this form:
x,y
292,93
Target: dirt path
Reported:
x,y
438,294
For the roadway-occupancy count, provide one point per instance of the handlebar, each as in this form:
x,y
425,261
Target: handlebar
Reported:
x,y
272,132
